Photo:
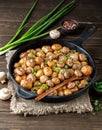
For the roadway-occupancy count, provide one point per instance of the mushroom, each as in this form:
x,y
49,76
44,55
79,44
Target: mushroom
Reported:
x,y
5,94
2,77
54,34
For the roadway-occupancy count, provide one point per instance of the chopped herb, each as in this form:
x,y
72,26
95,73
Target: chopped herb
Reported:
x,y
96,103
45,61
67,56
34,72
53,68
76,83
39,87
30,55
33,90
59,51
60,62
98,86
45,87
83,64
58,71
96,109
62,73
97,106
66,67
74,51
86,83
40,83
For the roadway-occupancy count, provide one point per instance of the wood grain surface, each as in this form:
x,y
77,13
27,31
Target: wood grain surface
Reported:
x,y
12,13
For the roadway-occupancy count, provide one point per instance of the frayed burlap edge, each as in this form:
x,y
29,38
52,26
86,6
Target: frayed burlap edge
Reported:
x,y
19,105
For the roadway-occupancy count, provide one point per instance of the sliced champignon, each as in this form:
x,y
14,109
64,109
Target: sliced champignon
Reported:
x,y
56,47
47,49
82,83
74,56
77,65
43,78
39,73
82,57
61,77
62,58
26,84
41,54
47,71
78,73
38,60
75,89
67,92
31,77
86,70
30,62
65,49
50,83
71,85
56,80
69,62
19,71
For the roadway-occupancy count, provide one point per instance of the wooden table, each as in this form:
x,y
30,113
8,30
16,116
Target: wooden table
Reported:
x,y
11,14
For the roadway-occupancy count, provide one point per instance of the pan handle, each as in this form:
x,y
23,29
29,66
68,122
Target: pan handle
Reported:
x,y
87,32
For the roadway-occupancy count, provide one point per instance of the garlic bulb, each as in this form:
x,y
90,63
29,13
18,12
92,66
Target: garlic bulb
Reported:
x,y
54,34
2,77
5,94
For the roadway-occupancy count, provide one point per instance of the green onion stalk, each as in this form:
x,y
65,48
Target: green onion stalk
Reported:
x,y
37,29
23,22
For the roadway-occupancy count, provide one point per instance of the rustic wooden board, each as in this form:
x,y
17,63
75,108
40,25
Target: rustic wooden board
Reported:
x,y
11,14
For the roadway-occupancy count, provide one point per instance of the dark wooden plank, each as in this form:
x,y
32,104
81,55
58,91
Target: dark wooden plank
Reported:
x,y
61,121
87,12
9,28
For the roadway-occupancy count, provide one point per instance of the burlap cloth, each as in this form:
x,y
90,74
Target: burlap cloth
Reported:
x,y
19,105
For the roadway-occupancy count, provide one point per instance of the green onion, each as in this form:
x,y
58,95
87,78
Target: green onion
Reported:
x,y
23,22
42,20
51,20
37,30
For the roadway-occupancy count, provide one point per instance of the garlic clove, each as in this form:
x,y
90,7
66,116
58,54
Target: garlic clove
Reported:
x,y
3,77
5,94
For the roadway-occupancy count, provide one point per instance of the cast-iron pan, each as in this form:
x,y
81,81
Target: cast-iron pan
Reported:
x,y
75,45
